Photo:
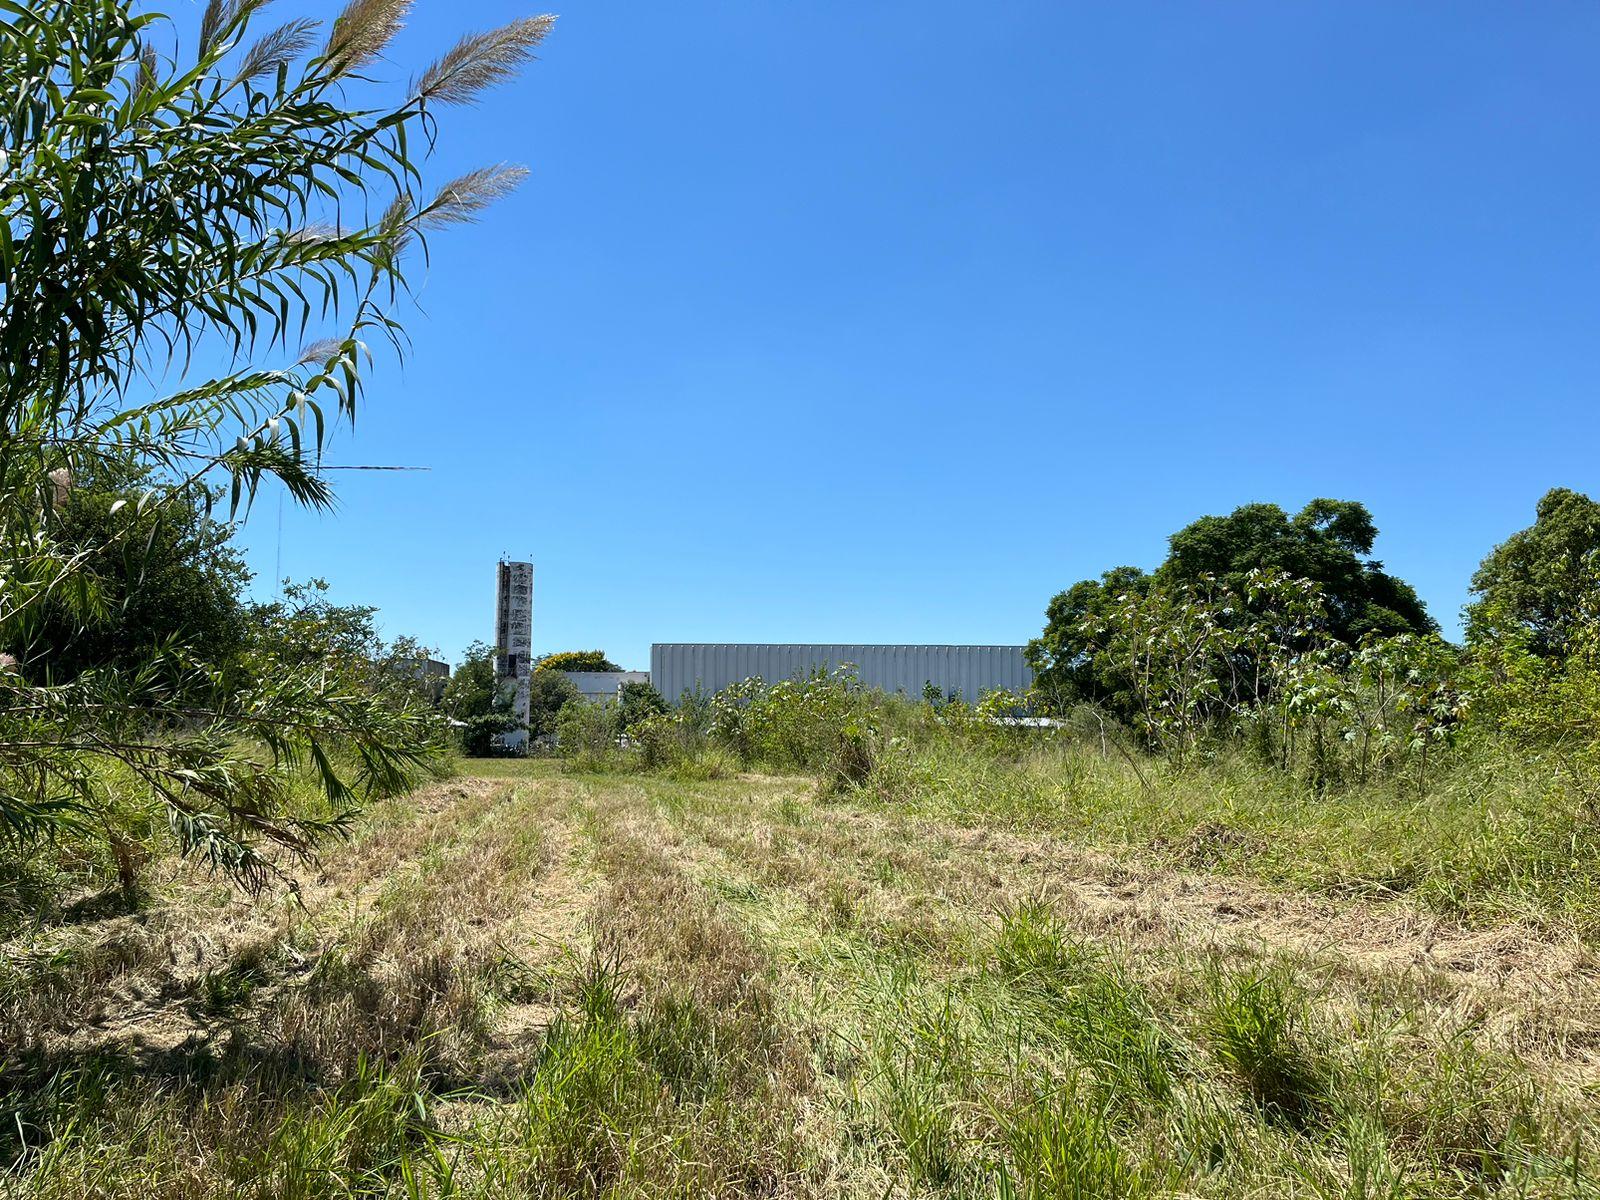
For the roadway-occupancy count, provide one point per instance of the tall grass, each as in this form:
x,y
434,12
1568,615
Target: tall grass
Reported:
x,y
1494,831
1497,834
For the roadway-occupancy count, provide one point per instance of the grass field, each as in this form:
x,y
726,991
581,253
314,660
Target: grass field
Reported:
x,y
529,983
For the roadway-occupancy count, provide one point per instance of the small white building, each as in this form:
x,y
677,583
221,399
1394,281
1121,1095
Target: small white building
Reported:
x,y
600,687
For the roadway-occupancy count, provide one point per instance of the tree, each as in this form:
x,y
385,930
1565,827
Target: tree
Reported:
x,y
1328,543
473,699
155,214
471,690
638,701
1540,579
163,576
576,660
548,693
1064,664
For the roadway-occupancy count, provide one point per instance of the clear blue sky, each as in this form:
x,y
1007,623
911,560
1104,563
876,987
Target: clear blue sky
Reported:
x,y
884,322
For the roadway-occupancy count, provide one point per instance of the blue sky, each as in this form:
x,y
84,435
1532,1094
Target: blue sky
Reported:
x,y
884,322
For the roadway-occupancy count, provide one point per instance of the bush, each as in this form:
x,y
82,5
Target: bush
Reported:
x,y
549,695
477,734
675,744
587,734
638,702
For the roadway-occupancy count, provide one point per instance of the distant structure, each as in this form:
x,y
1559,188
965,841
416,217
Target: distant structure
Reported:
x,y
513,640
432,674
676,667
602,687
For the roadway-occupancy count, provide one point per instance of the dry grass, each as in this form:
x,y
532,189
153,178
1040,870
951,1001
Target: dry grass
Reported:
x,y
526,984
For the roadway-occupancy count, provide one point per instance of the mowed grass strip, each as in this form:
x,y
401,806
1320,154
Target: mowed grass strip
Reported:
x,y
325,1038
967,1048
747,991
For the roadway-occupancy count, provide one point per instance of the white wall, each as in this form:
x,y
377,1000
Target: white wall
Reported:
x,y
598,687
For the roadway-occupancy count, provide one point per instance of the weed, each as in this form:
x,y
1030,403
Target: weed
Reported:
x,y
1256,1024
1061,1148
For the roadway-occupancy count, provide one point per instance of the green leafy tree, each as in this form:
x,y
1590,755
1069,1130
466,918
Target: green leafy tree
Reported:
x,y
304,627
1544,704
1066,669
1541,580
638,701
472,699
153,213
471,690
548,693
166,575
1328,544
576,660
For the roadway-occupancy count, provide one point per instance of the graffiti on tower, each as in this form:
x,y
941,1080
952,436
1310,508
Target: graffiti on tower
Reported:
x,y
513,639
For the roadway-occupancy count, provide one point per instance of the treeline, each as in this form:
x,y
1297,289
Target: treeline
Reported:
x,y
1274,637
480,706
1282,634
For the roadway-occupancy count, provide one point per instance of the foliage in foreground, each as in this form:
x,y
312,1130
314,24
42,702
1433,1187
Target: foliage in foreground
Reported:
x,y
159,213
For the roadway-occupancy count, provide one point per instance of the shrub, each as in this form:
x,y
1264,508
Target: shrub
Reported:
x,y
674,744
587,734
639,701
549,694
576,660
478,733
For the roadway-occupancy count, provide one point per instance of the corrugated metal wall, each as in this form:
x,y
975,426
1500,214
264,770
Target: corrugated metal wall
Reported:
x,y
973,670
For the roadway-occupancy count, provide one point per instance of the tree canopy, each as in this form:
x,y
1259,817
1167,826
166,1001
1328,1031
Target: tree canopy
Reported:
x,y
576,660
1328,542
1540,579
473,698
548,693
161,576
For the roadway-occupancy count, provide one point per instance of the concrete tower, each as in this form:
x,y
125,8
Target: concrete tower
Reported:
x,y
513,640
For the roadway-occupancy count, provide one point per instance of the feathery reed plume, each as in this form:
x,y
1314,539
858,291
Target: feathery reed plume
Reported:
x,y
220,18
461,200
211,23
319,351
362,30
278,47
394,227
311,235
147,71
481,60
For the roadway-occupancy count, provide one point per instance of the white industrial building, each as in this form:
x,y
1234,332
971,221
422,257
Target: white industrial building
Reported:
x,y
602,687
708,667
677,667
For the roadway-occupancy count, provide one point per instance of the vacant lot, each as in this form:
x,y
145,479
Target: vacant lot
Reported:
x,y
524,982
